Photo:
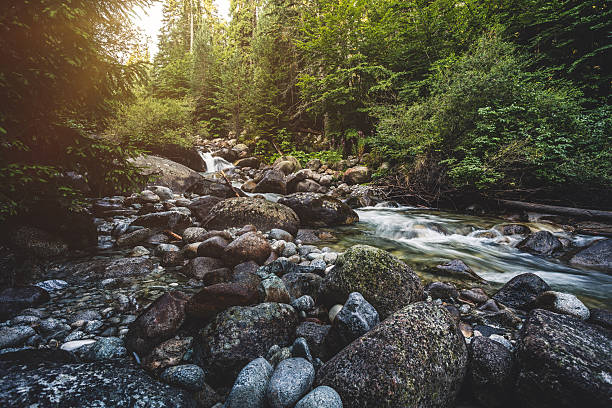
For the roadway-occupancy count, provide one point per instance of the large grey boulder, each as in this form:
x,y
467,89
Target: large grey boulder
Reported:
x,y
415,358
273,181
521,291
319,210
177,177
384,281
540,243
239,335
263,214
563,362
99,384
597,255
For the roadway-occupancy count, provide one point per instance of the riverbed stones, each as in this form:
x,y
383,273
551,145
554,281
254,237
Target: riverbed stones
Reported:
x,y
240,334
491,372
564,303
319,210
272,288
279,234
457,268
106,348
248,247
171,220
188,376
273,181
240,211
15,336
214,299
384,281
357,175
200,266
320,397
249,390
563,362
290,381
597,255
157,323
166,354
13,300
417,357
515,229
314,334
442,290
213,247
540,243
521,291
300,284
114,383
200,207
356,318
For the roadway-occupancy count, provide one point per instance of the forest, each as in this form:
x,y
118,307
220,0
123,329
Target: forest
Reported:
x,y
505,98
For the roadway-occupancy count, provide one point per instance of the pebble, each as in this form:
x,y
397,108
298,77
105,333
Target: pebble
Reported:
x,y
356,318
320,397
188,376
139,251
24,320
249,389
290,250
290,381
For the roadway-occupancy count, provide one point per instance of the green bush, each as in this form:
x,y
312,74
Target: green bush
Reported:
x,y
152,124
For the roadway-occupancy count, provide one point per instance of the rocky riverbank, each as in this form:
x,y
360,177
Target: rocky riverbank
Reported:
x,y
203,293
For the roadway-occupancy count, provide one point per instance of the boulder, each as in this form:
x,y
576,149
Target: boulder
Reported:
x,y
214,299
210,186
248,247
415,358
188,376
157,323
14,300
115,383
442,290
319,210
295,178
193,234
601,317
287,164
213,247
315,335
563,303
357,175
320,397
273,181
309,186
166,354
171,220
384,281
134,238
265,215
249,390
521,291
15,336
540,243
252,162
491,372
299,284
249,186
563,362
110,268
291,380
200,207
239,335
177,177
597,255
203,268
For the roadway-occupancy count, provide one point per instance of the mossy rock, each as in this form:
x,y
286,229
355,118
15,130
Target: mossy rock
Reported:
x,y
415,358
385,282
263,214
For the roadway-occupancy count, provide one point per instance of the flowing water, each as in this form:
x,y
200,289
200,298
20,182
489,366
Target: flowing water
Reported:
x,y
214,164
425,238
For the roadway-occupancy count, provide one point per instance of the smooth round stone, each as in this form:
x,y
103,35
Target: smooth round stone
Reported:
x,y
249,389
280,234
15,336
52,285
320,397
106,348
188,376
290,250
139,251
290,381
563,303
333,312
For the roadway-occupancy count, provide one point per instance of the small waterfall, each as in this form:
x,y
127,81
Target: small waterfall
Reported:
x,y
214,164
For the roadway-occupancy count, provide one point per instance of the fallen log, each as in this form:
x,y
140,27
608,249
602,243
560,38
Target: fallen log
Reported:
x,y
580,213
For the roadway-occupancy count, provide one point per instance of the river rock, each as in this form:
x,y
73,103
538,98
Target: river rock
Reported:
x,y
157,323
442,290
248,247
201,266
457,268
170,174
193,234
99,384
357,175
246,273
15,336
214,299
521,291
540,243
210,186
166,354
37,243
188,376
287,164
415,358
265,215
300,284
272,288
491,372
564,303
201,206
597,255
240,334
13,300
320,397
105,348
314,334
290,381
515,229
319,210
280,234
110,268
252,162
249,390
303,303
384,281
601,317
172,220
273,181
356,318
213,247
563,362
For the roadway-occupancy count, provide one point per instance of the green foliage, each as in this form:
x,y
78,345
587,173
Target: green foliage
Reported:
x,y
151,123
